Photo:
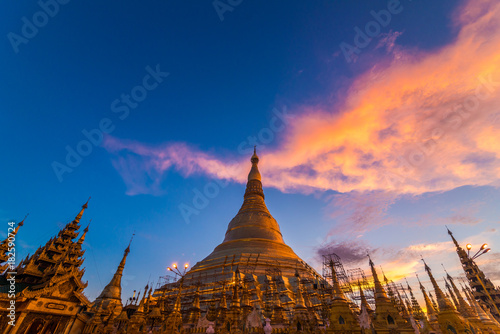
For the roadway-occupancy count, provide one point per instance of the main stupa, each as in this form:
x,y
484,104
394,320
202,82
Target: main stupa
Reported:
x,y
252,275
253,243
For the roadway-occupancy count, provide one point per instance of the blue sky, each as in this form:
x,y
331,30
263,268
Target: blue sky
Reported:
x,y
227,82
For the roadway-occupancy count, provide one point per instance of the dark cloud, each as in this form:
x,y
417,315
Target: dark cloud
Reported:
x,y
351,252
463,219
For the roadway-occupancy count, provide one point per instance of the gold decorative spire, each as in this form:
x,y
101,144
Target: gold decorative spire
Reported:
x,y
21,223
140,309
443,302
475,305
451,294
245,300
196,302
254,184
80,214
4,247
299,298
402,305
415,306
388,287
235,302
433,301
364,302
462,306
337,293
114,288
223,299
82,238
428,304
380,294
13,234
452,238
254,172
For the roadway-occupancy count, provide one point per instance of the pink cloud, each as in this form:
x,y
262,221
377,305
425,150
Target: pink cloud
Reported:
x,y
142,167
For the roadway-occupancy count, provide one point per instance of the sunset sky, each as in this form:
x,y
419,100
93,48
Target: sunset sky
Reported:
x,y
377,123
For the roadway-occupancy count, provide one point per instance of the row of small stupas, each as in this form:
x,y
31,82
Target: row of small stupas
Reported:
x,y
251,283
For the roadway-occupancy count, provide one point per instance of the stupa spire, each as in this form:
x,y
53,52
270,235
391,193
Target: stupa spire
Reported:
x,y
114,288
475,305
462,306
415,306
82,238
4,247
254,171
450,293
452,237
380,294
196,302
388,286
364,302
235,302
223,299
337,293
21,223
13,234
80,214
443,302
299,298
431,311
254,184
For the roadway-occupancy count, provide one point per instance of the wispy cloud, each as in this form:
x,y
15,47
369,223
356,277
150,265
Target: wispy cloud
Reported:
x,y
359,211
388,40
143,167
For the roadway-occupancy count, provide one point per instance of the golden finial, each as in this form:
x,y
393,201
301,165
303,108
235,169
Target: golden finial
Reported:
x,y
87,228
255,157
254,172
127,250
86,203
21,223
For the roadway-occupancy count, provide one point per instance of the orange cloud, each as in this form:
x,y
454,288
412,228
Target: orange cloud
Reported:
x,y
422,123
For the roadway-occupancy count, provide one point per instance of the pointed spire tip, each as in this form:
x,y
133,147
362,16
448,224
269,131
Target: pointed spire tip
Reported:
x,y
86,205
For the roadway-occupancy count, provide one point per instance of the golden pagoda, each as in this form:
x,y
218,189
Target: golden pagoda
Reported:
x,y
253,241
252,275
